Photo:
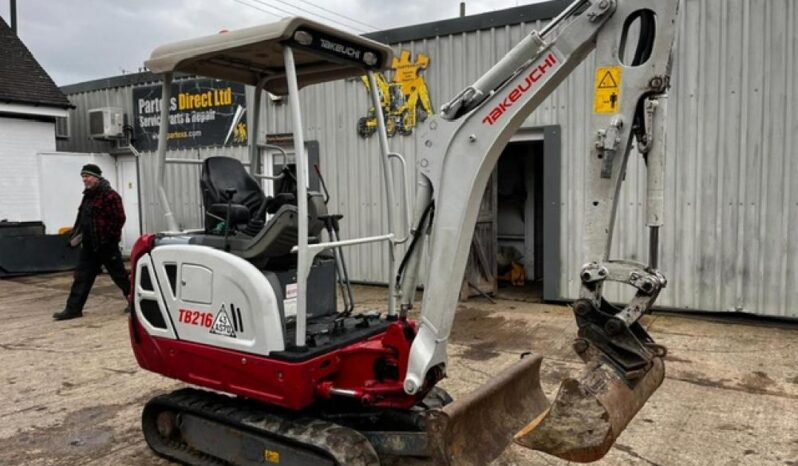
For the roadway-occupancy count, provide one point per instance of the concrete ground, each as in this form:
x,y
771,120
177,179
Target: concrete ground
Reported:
x,y
72,392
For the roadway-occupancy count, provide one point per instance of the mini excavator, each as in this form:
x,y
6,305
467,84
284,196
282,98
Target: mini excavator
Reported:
x,y
245,309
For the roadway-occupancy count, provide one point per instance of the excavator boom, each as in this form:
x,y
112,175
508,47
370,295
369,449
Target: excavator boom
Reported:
x,y
631,42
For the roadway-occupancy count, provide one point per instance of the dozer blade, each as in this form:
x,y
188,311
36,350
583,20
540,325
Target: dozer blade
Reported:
x,y
475,429
590,412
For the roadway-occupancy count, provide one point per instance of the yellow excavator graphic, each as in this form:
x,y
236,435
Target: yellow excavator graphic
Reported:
x,y
404,101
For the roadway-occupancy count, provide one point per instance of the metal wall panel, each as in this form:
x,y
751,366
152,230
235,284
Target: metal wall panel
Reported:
x,y
727,243
732,200
351,164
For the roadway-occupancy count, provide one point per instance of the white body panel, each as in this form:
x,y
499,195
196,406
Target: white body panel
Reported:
x,y
219,299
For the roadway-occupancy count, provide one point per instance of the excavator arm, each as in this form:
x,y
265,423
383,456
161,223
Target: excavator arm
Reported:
x,y
632,42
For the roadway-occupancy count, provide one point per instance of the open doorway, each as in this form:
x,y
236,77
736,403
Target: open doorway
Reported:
x,y
519,221
515,252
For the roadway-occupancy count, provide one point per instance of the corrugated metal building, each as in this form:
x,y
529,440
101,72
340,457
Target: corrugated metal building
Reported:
x,y
727,244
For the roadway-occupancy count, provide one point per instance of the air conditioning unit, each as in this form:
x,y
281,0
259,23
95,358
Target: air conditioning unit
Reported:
x,y
107,123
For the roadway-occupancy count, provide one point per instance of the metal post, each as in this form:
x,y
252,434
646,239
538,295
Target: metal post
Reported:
x,y
163,133
13,7
303,265
389,190
254,150
410,278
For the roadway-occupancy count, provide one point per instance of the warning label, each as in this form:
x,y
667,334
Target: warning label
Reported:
x,y
222,325
608,90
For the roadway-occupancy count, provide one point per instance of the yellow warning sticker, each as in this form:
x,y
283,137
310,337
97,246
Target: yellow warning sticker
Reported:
x,y
608,90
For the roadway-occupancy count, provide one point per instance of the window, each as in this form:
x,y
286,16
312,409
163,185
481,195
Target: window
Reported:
x,y
62,127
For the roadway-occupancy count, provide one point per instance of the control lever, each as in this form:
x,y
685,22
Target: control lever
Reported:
x,y
323,184
332,226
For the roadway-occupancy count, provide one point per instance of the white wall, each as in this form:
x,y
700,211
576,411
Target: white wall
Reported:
x,y
62,189
128,187
39,184
20,141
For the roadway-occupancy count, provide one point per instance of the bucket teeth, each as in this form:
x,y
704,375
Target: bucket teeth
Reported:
x,y
590,412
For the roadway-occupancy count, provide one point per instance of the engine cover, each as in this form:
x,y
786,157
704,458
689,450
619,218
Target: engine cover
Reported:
x,y
203,295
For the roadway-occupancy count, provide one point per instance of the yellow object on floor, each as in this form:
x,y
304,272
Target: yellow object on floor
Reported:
x,y
515,275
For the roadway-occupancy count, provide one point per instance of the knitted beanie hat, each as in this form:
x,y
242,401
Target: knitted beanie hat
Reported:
x,y
91,169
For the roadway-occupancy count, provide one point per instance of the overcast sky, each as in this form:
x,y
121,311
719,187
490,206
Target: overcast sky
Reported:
x,y
81,40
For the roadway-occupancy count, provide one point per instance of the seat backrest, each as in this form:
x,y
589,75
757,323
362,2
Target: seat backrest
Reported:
x,y
220,173
277,238
270,239
316,210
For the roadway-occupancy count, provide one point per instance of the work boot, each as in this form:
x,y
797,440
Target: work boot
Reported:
x,y
66,315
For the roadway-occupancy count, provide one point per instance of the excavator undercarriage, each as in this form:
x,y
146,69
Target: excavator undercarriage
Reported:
x,y
199,427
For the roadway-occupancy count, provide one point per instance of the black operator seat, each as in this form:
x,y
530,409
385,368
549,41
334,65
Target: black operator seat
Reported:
x,y
252,237
219,175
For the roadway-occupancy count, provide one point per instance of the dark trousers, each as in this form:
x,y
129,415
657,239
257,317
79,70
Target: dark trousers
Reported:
x,y
89,265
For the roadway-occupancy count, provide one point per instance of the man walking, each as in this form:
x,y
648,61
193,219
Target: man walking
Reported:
x,y
98,229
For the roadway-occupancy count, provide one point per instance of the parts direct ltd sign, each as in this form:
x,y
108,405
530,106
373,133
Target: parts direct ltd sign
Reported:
x,y
202,112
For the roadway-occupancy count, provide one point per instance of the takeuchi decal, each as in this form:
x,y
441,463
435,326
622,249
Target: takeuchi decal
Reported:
x,y
536,74
404,100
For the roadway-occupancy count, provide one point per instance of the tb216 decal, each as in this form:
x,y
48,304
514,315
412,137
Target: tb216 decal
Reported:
x,y
223,323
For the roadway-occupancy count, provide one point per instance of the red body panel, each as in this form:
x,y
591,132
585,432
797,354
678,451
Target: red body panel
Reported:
x,y
291,385
370,370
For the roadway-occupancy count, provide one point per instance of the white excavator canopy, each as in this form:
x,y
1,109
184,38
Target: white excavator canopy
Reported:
x,y
249,55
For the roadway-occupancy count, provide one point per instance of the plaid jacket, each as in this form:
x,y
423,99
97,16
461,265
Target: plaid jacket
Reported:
x,y
101,215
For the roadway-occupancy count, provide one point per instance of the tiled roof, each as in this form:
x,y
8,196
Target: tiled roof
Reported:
x,y
22,79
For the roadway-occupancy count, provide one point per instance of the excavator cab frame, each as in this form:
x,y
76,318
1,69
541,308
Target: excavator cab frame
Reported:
x,y
281,58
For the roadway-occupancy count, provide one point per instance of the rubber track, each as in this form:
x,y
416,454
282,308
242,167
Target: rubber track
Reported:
x,y
345,446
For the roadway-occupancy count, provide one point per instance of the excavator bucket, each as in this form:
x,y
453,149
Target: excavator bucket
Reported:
x,y
587,416
475,429
590,412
